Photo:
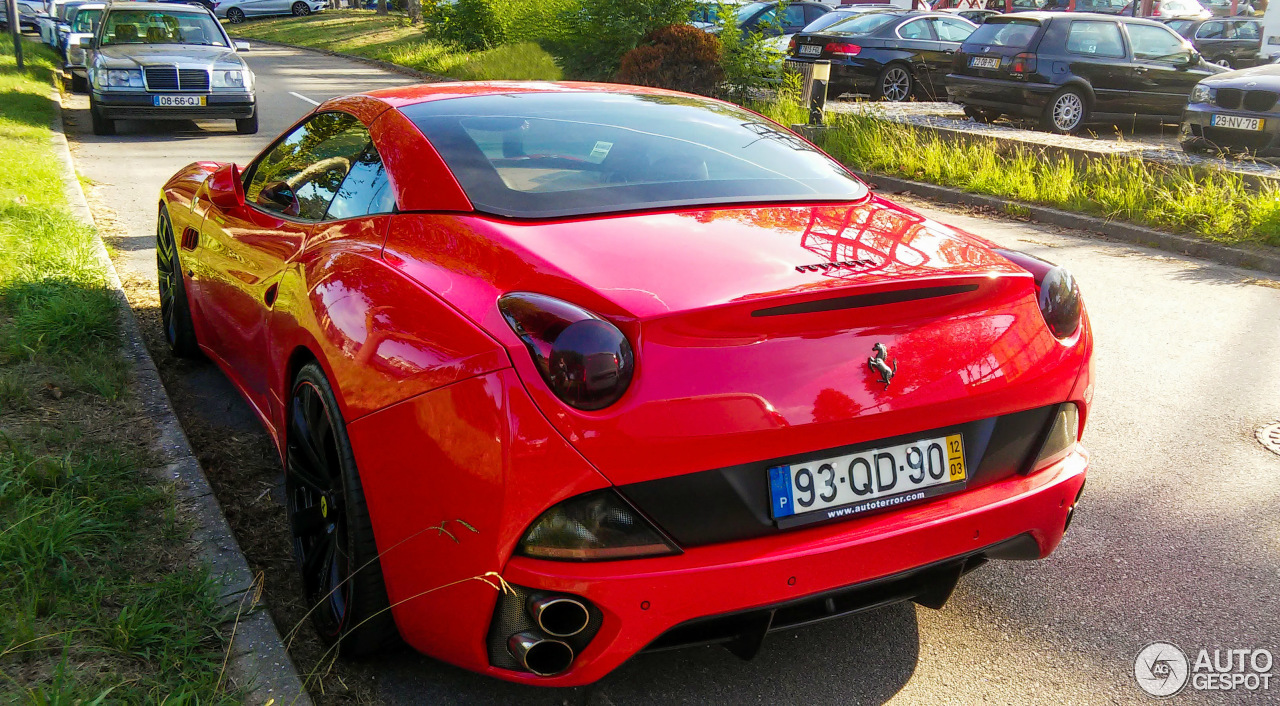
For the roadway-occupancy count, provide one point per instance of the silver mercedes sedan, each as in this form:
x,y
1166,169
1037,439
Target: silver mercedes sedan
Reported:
x,y
163,61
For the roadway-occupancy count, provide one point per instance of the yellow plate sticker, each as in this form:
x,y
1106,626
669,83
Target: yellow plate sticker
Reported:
x,y
955,456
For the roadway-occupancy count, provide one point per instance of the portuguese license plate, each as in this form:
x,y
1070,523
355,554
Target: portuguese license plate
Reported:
x,y
1236,122
810,49
872,479
178,101
985,62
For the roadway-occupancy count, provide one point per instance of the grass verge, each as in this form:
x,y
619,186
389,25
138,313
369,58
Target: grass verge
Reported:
x,y
101,598
391,38
1215,205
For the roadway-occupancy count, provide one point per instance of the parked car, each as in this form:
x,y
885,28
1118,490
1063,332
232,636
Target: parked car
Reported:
x,y
27,16
48,19
1233,43
1070,69
166,61
1234,112
893,55
763,17
84,24
1168,9
635,357
1223,8
975,16
63,26
236,11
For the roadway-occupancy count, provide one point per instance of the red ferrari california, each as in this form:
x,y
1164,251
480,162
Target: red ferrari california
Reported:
x,y
560,373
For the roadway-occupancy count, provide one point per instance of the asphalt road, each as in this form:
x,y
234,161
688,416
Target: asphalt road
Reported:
x,y
1178,537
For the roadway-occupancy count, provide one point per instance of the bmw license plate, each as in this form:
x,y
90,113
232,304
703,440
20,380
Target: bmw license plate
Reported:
x,y
178,101
1236,122
985,62
810,50
872,479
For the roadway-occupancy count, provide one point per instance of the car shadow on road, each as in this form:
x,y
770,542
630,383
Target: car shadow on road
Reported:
x,y
865,658
78,121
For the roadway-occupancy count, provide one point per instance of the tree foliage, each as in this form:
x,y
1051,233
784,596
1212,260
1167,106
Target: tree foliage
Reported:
x,y
597,33
678,57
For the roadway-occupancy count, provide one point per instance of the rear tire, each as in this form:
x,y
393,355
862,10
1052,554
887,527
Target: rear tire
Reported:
x,y
248,126
982,115
894,84
1224,63
101,125
329,521
1066,112
301,9
235,15
175,310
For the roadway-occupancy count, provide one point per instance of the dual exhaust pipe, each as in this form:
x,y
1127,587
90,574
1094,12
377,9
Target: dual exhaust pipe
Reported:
x,y
559,617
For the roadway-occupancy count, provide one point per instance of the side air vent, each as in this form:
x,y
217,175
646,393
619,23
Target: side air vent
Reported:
x,y
856,301
190,239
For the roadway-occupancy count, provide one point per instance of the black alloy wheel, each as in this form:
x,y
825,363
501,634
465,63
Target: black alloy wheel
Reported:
x,y
175,312
235,15
332,535
301,9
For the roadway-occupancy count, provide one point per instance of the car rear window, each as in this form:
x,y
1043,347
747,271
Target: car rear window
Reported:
x,y
1005,33
552,154
862,24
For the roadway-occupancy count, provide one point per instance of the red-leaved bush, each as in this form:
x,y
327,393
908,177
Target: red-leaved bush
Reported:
x,y
678,57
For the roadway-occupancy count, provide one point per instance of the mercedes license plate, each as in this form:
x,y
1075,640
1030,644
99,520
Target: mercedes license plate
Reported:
x,y
871,479
1236,122
178,101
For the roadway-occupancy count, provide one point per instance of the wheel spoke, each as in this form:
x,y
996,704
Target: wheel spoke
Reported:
x,y
303,433
308,521
316,563
300,473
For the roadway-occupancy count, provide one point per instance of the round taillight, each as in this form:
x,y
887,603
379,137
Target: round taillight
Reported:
x,y
1056,292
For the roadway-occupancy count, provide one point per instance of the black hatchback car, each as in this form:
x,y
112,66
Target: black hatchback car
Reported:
x,y
1233,42
1067,69
893,55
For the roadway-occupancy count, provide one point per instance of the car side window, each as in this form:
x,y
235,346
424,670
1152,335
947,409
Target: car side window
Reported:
x,y
916,29
949,29
1158,44
812,12
1093,38
302,173
793,18
1246,30
1212,30
366,191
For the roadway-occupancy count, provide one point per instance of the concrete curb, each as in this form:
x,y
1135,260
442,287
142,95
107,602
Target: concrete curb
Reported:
x,y
1249,258
258,660
385,65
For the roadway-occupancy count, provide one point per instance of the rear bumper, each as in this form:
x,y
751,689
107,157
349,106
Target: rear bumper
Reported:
x,y
1014,97
140,106
1197,133
716,593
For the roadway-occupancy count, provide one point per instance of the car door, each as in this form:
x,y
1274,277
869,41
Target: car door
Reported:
x,y
917,37
1098,55
951,33
245,252
1165,69
1247,44
1213,39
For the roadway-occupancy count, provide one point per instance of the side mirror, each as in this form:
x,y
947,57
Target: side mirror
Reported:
x,y
86,42
279,196
225,190
241,46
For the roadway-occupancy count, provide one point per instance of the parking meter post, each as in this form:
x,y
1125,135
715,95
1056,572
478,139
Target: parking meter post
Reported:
x,y
15,29
818,90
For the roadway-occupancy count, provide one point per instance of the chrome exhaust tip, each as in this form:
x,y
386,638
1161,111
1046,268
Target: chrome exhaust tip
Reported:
x,y
559,616
543,657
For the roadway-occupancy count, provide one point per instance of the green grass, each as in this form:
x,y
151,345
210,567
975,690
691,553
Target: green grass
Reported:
x,y
391,38
100,600
1212,204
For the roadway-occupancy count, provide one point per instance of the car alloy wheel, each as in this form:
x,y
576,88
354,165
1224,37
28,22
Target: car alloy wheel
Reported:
x,y
1068,112
895,84
301,9
1223,63
175,314
235,15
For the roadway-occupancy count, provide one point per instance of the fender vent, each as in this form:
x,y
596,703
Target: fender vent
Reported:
x,y
190,239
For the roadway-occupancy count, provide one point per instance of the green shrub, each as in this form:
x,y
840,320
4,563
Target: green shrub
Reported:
x,y
476,24
595,34
524,61
749,61
679,57
484,24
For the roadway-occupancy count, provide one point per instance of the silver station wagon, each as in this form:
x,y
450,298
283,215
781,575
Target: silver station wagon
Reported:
x,y
165,61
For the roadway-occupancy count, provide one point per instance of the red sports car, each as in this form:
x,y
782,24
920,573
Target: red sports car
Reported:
x,y
560,373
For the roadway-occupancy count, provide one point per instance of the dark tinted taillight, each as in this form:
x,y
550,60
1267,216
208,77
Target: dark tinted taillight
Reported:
x,y
1023,63
1056,290
842,49
585,360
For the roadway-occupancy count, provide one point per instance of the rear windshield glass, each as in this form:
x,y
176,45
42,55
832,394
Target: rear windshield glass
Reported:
x,y
539,155
1010,33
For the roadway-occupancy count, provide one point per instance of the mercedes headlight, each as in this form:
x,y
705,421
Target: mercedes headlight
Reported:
x,y
124,78
230,79
1202,94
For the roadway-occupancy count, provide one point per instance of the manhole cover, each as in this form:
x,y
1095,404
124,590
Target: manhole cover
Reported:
x,y
1270,437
